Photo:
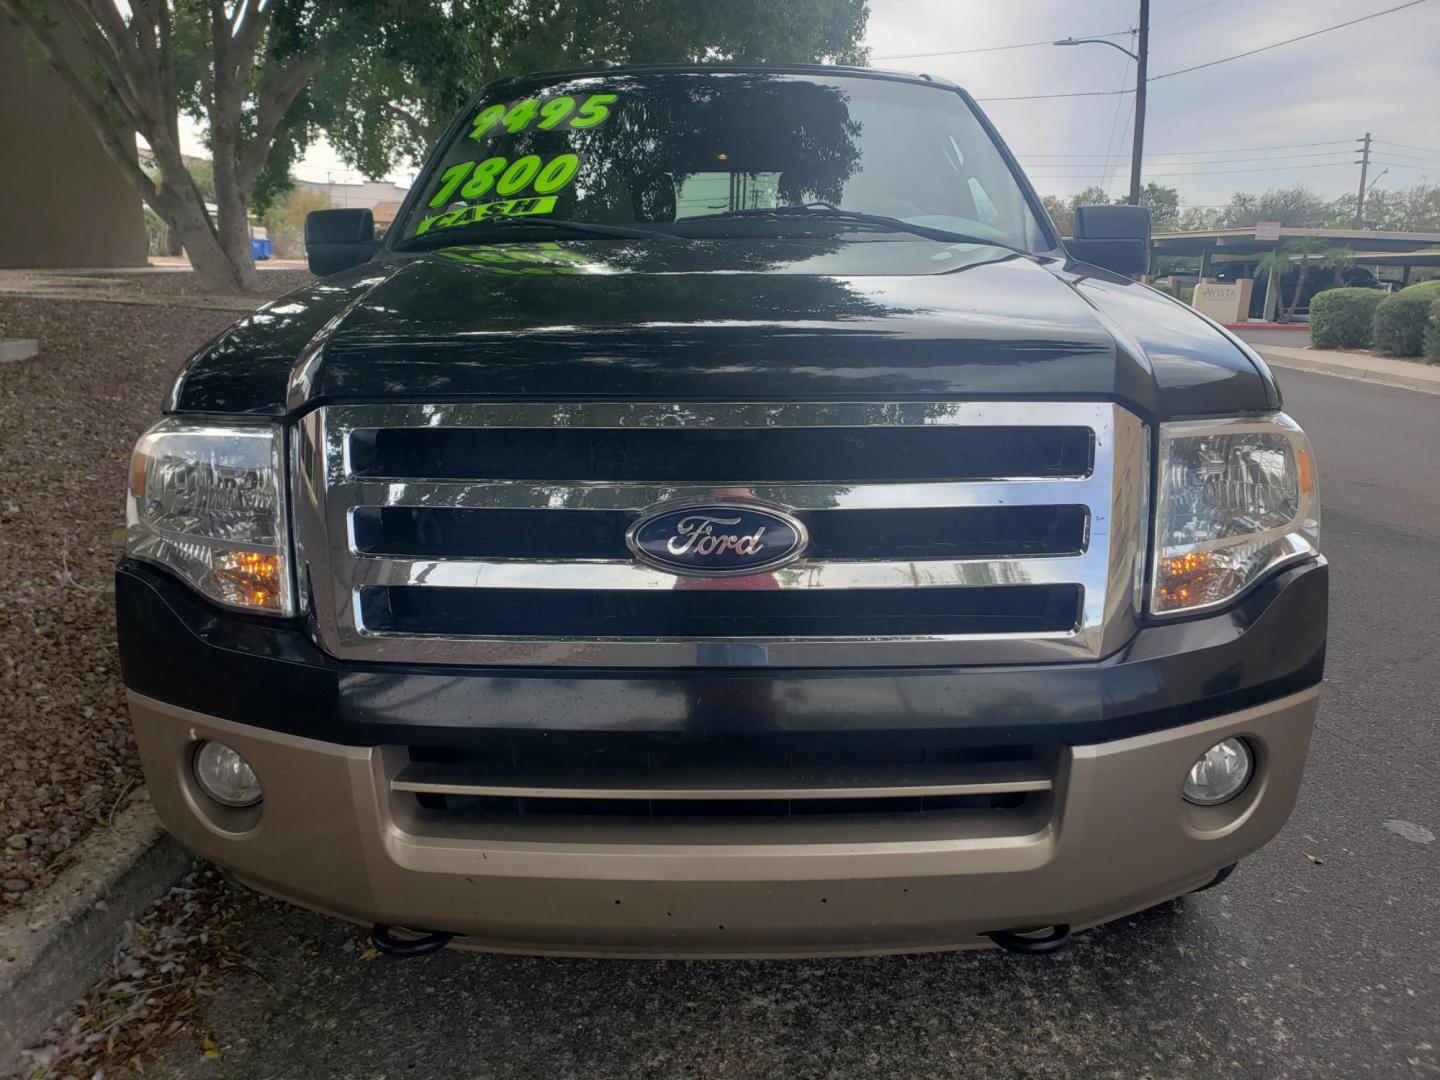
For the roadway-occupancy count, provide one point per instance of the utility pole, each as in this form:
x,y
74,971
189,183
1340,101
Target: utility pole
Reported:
x,y
1364,164
1142,63
1137,150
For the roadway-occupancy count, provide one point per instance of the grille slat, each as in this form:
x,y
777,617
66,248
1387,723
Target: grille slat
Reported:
x,y
941,532
717,455
725,612
698,783
912,533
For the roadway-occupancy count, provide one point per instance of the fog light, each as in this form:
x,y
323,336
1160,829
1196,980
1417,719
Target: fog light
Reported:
x,y
224,775
1219,774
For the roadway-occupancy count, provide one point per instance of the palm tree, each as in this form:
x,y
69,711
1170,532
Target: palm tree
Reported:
x,y
1307,252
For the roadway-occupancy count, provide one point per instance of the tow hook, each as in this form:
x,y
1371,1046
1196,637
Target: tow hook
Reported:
x,y
428,942
1020,940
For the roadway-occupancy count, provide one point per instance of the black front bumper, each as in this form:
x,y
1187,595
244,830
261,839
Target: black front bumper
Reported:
x,y
179,649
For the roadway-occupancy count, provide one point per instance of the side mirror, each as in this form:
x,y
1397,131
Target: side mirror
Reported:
x,y
336,240
1115,237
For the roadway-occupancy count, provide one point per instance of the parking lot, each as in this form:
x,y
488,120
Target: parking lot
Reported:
x,y
1319,958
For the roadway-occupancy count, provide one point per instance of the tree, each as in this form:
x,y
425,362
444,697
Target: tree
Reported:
x,y
394,71
285,219
1294,207
1412,209
240,68
1062,211
1164,206
392,103
1305,252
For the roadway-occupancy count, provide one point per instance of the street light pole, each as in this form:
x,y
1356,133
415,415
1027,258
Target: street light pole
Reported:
x,y
1137,148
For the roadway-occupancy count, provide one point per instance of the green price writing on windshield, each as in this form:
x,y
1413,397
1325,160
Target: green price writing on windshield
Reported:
x,y
544,115
505,208
475,179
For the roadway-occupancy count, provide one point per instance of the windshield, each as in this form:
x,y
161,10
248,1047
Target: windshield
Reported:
x,y
702,154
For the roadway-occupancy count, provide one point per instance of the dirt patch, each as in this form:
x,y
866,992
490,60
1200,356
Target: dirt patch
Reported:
x,y
69,418
166,285
156,989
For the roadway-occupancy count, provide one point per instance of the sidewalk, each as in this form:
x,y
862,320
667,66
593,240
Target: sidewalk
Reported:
x,y
165,282
1414,374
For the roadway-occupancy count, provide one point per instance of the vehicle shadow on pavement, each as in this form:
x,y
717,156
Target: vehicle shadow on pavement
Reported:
x,y
318,1004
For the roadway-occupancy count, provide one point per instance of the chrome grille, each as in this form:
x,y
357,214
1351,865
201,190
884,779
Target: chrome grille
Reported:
x,y
388,546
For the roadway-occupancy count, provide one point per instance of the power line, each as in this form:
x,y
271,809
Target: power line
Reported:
x,y
1411,157
1213,172
1106,165
1214,161
1287,41
993,48
1073,93
1183,14
1047,41
1219,150
1212,63
1407,146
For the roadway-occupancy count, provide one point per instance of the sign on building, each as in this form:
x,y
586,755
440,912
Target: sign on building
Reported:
x,y
1224,301
1267,231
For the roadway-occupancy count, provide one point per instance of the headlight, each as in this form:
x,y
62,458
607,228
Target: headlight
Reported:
x,y
208,503
1237,498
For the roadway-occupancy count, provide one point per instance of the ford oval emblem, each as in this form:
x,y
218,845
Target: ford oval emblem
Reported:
x,y
719,539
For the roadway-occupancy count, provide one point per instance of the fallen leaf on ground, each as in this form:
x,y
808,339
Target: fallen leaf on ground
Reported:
x,y
1316,859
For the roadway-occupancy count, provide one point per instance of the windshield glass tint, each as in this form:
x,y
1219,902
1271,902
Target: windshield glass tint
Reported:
x,y
670,151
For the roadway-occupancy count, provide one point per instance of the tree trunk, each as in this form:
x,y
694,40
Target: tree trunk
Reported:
x,y
232,230
1295,296
215,268
182,206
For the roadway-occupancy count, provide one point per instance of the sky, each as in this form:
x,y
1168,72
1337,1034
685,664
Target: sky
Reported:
x,y
1381,76
1233,127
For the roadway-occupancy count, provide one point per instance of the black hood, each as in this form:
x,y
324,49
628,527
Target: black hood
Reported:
x,y
878,319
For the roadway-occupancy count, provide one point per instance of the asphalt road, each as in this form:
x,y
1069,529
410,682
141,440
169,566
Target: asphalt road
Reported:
x,y
1295,968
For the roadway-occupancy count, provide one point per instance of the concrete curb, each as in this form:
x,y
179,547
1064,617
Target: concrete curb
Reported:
x,y
53,950
1426,378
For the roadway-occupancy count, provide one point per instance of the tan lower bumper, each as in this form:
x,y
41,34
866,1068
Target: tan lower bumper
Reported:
x,y
1117,838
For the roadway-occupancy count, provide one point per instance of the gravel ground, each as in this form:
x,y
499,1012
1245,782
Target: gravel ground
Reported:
x,y
145,285
156,988
70,417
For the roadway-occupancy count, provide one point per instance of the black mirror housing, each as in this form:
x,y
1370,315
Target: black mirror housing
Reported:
x,y
336,240
1115,237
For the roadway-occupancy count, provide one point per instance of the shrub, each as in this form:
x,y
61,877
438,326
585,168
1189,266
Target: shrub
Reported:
x,y
1432,333
1342,318
1401,317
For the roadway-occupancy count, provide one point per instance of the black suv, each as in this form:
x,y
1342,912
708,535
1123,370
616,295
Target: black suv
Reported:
x,y
723,517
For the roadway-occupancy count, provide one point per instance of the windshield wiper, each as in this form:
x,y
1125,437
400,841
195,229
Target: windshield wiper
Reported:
x,y
496,228
825,211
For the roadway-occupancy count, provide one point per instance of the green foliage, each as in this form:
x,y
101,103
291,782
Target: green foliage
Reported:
x,y
1306,252
389,98
1401,318
285,220
1164,206
1162,202
1432,333
1412,209
1342,318
1295,207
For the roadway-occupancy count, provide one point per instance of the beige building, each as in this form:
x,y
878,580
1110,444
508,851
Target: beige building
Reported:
x,y
377,196
63,202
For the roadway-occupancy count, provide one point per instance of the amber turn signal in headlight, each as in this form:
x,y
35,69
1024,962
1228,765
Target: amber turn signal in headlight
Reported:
x,y
1237,498
208,503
